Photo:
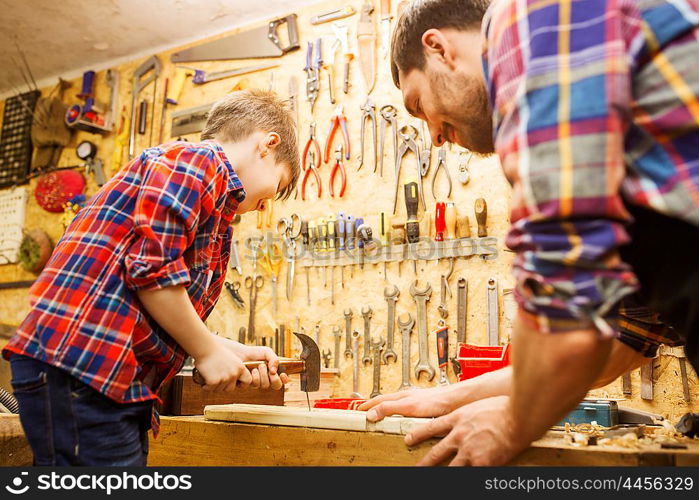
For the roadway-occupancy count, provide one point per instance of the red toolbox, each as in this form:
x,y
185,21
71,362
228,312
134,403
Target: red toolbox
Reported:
x,y
475,360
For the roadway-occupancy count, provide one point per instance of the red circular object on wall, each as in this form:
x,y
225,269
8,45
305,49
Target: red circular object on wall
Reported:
x,y
57,188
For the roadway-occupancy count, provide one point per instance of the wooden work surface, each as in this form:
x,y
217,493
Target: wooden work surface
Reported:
x,y
195,441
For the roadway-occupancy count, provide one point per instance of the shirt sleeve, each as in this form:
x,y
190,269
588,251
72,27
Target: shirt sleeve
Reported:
x,y
558,78
176,194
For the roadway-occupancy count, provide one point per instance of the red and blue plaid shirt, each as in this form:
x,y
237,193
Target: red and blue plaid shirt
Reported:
x,y
163,220
595,103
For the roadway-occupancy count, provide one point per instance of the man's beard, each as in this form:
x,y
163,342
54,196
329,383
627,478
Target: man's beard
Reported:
x,y
465,101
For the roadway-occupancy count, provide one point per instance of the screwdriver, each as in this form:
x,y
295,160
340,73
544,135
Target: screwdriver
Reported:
x,y
385,237
351,238
481,209
305,240
313,240
440,224
412,227
332,249
341,243
359,221
323,245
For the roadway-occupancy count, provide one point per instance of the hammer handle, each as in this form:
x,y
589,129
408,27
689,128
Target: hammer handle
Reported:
x,y
286,365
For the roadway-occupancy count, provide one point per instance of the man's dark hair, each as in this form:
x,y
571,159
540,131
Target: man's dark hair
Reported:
x,y
406,44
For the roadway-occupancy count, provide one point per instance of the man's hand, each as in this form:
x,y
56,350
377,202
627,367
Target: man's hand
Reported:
x,y
432,402
265,375
478,434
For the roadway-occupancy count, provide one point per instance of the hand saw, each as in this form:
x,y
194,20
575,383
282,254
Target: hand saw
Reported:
x,y
256,43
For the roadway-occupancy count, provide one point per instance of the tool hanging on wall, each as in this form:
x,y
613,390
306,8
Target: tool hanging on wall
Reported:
x,y
465,159
441,165
385,27
294,101
407,134
312,69
146,73
87,152
368,113
93,116
329,67
341,31
337,120
366,45
493,314
388,115
442,336
338,167
481,209
49,132
190,120
333,15
16,142
256,43
412,226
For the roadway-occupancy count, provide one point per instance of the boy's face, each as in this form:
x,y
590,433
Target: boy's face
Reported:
x,y
254,162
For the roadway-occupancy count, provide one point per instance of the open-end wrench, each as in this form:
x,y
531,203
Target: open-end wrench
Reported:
x,y
355,367
461,305
348,332
388,113
406,328
391,297
367,314
493,323
337,332
421,297
376,348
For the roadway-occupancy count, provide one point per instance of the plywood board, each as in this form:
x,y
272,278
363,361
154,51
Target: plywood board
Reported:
x,y
316,418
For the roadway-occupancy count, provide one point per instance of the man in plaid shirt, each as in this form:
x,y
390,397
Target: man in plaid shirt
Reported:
x,y
123,299
593,108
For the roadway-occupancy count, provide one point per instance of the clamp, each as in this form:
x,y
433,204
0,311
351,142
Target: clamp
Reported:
x,y
312,70
337,120
341,167
368,112
312,169
441,163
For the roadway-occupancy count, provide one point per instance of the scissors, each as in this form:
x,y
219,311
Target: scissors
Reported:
x,y
272,256
290,229
254,285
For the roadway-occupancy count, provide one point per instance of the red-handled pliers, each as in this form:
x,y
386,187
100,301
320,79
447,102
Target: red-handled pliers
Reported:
x,y
341,167
311,140
312,169
338,120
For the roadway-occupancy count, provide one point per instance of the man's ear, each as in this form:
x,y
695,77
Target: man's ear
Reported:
x,y
438,46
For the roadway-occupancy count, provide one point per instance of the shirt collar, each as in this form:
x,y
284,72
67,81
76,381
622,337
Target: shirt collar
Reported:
x,y
235,187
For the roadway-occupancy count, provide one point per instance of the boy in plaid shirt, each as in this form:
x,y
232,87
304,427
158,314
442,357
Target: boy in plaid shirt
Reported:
x,y
123,299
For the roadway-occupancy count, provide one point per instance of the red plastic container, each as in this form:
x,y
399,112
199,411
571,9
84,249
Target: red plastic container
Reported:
x,y
339,403
476,360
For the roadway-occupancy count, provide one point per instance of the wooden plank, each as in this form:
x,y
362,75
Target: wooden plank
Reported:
x,y
318,418
181,396
194,441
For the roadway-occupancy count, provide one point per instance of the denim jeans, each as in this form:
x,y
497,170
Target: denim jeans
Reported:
x,y
69,423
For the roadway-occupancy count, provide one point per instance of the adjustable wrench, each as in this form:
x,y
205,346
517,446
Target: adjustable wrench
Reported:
x,y
461,305
391,299
376,348
388,113
348,332
355,368
366,314
337,332
406,328
421,297
493,318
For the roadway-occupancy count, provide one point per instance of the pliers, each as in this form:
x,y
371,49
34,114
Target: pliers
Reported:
x,y
441,163
337,120
341,167
311,141
368,112
312,169
312,70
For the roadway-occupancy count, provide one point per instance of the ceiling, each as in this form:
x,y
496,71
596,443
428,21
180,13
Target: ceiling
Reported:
x,y
66,37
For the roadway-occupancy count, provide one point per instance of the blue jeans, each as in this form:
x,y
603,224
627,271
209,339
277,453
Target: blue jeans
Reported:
x,y
69,423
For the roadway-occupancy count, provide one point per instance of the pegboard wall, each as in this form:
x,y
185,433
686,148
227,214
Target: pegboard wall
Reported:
x,y
367,194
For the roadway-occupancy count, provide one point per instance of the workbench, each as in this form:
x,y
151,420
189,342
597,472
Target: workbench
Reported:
x,y
193,441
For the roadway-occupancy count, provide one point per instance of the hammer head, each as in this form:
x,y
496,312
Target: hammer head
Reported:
x,y
310,354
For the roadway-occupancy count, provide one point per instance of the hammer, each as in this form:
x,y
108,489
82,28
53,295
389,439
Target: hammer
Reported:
x,y
308,366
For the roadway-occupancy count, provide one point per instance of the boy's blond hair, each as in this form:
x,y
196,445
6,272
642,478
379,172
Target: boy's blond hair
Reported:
x,y
237,115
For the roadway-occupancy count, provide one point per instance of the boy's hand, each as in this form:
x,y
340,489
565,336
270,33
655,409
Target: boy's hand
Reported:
x,y
265,375
432,402
223,371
